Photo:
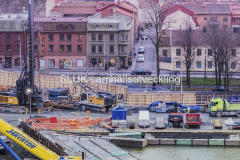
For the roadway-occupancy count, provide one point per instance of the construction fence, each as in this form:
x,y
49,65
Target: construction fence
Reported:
x,y
64,123
8,79
145,99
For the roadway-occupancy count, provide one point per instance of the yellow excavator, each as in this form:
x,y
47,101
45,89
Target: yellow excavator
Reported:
x,y
29,143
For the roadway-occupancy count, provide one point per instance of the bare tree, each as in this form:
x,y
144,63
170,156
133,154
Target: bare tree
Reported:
x,y
157,13
223,43
188,40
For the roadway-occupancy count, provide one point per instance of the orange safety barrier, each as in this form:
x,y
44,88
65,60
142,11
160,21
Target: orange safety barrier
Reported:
x,y
64,123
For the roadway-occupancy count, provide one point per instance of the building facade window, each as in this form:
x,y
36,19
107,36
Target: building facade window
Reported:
x,y
93,62
80,37
42,63
111,62
43,48
93,37
61,48
126,37
50,48
8,37
60,27
164,53
17,37
121,37
199,52
42,37
8,47
65,63
61,37
178,52
213,18
123,49
209,64
111,48
35,48
80,63
225,19
70,27
100,37
100,49
69,37
111,37
209,52
233,65
51,63
17,48
69,48
205,18
233,52
50,37
17,62
79,48
178,64
93,49
199,64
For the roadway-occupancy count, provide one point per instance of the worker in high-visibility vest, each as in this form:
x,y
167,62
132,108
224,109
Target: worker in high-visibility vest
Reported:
x,y
188,109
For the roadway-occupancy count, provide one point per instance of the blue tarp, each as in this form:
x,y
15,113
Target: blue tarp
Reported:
x,y
154,104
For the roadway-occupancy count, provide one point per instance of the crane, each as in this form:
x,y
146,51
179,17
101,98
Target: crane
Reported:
x,y
29,143
25,93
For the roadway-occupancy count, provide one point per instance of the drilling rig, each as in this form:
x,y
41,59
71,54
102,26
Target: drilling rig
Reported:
x,y
25,92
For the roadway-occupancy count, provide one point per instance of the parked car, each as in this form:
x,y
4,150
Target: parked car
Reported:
x,y
141,72
140,58
141,50
144,38
220,88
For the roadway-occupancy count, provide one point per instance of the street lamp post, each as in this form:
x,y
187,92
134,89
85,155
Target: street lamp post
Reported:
x,y
181,82
29,92
205,74
20,53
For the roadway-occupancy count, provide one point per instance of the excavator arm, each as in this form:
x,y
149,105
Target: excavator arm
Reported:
x,y
29,143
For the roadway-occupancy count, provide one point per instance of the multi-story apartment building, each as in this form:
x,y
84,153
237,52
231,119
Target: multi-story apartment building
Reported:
x,y
209,14
172,53
12,40
88,8
109,40
62,42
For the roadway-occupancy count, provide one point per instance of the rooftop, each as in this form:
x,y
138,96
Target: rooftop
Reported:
x,y
14,17
208,8
60,19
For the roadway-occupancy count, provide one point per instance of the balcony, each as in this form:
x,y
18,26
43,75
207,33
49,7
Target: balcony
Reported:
x,y
213,23
166,59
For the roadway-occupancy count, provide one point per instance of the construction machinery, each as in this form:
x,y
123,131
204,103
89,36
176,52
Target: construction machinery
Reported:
x,y
220,107
175,120
25,93
29,143
93,100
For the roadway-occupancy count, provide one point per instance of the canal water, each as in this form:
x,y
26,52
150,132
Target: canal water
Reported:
x,y
186,153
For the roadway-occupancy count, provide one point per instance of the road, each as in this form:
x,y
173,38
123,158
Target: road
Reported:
x,y
149,56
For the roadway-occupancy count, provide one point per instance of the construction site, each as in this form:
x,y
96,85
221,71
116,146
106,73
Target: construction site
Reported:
x,y
48,118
